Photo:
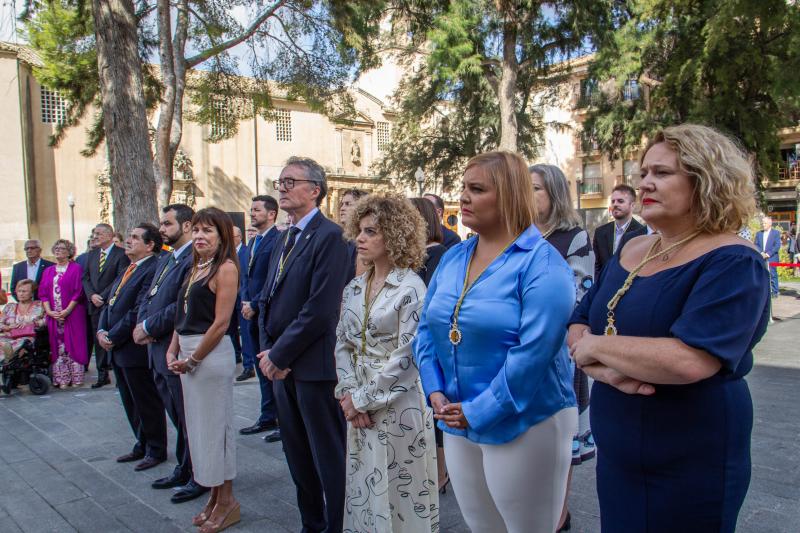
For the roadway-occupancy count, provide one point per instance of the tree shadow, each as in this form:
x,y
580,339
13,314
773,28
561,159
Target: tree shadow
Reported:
x,y
228,193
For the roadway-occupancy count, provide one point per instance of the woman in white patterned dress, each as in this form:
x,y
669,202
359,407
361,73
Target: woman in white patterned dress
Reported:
x,y
391,478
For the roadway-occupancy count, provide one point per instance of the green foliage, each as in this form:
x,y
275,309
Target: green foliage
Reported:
x,y
731,64
449,108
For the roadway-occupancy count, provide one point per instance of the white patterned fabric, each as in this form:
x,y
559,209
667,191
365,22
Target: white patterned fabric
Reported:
x,y
392,475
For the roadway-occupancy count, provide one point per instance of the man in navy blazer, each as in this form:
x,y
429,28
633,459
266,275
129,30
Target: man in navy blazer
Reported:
x,y
32,268
768,242
105,263
156,323
137,390
298,312
263,212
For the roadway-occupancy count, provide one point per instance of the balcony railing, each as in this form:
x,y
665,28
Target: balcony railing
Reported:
x,y
789,173
589,143
592,186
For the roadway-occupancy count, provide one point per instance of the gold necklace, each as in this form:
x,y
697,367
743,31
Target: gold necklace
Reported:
x,y
196,270
611,328
455,333
367,309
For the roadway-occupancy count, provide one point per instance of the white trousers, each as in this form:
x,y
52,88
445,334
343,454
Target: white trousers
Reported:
x,y
516,487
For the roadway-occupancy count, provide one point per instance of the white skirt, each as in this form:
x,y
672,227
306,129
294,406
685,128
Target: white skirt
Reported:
x,y
208,403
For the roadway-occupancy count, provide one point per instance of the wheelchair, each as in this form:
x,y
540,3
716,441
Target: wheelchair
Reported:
x,y
29,365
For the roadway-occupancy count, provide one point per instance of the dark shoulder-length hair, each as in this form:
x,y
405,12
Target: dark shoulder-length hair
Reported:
x,y
428,212
212,216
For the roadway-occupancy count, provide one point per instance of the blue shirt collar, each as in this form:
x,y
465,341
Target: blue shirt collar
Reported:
x,y
177,253
528,238
303,222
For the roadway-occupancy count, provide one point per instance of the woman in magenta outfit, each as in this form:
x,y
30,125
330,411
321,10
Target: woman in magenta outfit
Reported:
x,y
61,293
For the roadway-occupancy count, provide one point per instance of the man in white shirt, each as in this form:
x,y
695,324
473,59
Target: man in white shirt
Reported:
x,y
32,268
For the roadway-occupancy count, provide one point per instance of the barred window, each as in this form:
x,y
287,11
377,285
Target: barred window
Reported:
x,y
630,170
283,124
630,91
384,133
220,117
54,107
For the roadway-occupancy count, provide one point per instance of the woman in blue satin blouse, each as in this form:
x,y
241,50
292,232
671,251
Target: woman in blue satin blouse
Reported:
x,y
492,355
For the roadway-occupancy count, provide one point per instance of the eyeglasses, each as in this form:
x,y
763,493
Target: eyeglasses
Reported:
x,y
32,248
288,183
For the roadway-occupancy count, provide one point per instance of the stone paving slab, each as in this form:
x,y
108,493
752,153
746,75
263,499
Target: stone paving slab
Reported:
x,y
58,471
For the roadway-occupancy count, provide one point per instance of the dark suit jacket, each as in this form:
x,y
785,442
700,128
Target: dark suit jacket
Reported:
x,y
773,244
20,272
630,235
159,309
603,243
96,282
120,318
298,322
253,276
451,238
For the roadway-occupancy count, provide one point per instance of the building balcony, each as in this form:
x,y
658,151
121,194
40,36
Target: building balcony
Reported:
x,y
592,188
787,177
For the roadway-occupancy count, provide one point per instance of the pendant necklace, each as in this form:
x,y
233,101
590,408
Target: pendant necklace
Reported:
x,y
611,328
367,308
455,334
196,270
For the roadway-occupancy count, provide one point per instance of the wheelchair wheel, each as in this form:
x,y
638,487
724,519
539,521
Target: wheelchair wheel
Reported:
x,y
6,385
39,384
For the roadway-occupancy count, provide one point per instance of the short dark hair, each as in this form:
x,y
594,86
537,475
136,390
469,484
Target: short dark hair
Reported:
x,y
426,209
183,213
270,203
151,235
622,187
438,200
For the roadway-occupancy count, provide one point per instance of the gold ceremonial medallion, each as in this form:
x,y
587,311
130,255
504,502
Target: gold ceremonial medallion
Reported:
x,y
611,329
154,291
455,335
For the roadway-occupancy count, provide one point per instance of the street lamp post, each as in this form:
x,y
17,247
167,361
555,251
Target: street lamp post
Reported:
x,y
71,204
578,182
419,176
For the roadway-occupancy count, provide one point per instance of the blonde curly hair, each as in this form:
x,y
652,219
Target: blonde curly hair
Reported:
x,y
723,198
403,228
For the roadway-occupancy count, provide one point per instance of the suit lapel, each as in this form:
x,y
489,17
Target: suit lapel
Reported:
x,y
302,241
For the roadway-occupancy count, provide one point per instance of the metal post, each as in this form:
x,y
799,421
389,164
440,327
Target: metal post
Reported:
x,y
71,204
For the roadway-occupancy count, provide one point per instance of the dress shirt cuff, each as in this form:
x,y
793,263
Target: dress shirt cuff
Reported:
x,y
483,412
360,400
432,381
144,327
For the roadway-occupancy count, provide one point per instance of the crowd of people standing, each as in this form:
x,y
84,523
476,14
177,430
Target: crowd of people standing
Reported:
x,y
382,344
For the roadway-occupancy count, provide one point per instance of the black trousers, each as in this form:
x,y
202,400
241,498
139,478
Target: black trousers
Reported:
x,y
101,357
313,430
144,409
171,393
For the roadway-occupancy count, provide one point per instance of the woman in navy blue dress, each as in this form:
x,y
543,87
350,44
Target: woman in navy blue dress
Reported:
x,y
667,332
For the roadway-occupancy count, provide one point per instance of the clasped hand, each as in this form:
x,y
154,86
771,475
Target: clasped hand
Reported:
x,y
140,336
450,413
353,415
178,366
269,369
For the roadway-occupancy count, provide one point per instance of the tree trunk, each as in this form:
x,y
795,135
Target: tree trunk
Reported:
x,y
173,75
124,117
507,89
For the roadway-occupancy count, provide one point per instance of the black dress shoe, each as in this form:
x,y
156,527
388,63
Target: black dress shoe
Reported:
x,y
258,428
169,482
101,380
130,457
148,462
189,492
273,436
246,374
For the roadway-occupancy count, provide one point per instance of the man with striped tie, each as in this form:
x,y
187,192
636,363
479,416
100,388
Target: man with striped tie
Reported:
x,y
105,263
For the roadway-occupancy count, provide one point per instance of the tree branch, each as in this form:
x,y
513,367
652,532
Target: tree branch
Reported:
x,y
230,43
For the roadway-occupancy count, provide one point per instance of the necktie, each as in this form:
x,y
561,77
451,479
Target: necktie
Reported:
x,y
102,260
288,245
122,282
253,249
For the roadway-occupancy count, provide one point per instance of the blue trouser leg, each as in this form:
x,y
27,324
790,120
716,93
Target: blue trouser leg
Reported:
x,y
248,348
773,280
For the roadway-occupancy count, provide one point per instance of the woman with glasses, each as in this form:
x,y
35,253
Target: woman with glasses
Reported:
x,y
61,293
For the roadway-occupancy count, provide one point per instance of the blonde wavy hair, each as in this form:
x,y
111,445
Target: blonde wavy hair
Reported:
x,y
403,228
723,198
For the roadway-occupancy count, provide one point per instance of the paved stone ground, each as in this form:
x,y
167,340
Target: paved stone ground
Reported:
x,y
58,473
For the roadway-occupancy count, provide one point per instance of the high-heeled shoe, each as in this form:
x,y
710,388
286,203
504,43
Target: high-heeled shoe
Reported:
x,y
203,516
443,488
233,516
567,524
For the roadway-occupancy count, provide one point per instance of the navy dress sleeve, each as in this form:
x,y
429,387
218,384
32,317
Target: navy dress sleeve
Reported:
x,y
718,314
